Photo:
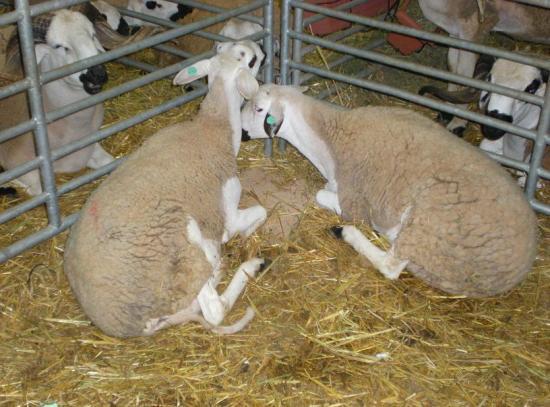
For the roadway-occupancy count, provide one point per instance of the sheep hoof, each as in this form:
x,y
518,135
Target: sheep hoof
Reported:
x,y
266,263
444,118
459,131
336,231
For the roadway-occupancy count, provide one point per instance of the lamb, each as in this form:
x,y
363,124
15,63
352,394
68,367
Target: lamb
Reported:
x,y
474,19
413,182
61,38
145,252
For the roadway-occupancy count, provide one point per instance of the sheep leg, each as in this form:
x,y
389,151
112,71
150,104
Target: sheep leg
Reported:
x,y
243,221
99,157
385,262
215,307
30,182
493,146
329,200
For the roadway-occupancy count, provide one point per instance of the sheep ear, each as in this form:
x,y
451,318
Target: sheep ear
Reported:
x,y
41,51
191,73
247,85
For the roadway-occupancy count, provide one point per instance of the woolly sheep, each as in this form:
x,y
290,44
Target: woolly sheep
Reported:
x,y
145,252
61,38
414,182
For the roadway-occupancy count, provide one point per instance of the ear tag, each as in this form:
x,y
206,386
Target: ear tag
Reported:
x,y
192,70
270,120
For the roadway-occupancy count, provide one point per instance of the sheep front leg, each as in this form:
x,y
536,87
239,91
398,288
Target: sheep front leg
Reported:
x,y
99,157
243,221
329,200
385,262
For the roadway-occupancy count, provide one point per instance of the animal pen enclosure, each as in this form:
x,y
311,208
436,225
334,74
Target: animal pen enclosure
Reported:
x,y
328,331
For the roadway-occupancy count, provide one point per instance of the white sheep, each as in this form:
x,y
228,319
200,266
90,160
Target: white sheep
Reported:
x,y
453,216
60,39
145,252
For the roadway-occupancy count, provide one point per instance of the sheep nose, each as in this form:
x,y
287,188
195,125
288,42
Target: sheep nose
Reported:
x,y
245,136
492,133
93,79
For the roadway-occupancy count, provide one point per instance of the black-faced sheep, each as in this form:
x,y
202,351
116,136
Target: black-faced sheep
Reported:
x,y
453,216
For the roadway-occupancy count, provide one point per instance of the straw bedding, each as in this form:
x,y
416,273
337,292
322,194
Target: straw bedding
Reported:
x,y
330,330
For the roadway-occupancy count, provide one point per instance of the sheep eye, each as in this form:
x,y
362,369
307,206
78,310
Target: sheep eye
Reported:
x,y
259,110
533,86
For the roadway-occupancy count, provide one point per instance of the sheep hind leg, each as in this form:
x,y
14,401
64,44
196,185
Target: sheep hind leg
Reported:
x,y
385,262
214,307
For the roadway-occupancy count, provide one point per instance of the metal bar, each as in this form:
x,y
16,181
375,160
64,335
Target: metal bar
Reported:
x,y
14,16
418,68
268,70
37,111
540,207
16,130
36,238
337,36
541,3
339,61
171,24
453,42
99,135
361,74
14,88
297,44
137,64
539,147
421,100
284,57
214,9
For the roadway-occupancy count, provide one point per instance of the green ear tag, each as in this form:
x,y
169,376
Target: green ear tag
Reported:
x,y
192,70
271,120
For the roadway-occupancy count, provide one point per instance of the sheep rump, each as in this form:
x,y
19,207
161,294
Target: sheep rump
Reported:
x,y
146,232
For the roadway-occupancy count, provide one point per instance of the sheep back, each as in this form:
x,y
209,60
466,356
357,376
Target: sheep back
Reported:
x,y
470,230
128,258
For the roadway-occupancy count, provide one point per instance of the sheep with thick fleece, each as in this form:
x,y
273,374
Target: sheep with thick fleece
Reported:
x,y
145,252
453,216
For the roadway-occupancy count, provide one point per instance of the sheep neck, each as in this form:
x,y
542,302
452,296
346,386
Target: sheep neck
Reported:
x,y
302,127
224,103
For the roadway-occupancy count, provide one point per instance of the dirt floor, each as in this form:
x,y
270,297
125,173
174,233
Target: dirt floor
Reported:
x,y
329,329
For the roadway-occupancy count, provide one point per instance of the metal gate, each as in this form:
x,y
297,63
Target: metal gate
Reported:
x,y
37,124
293,69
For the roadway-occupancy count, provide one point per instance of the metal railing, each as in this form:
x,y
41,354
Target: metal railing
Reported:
x,y
292,38
40,119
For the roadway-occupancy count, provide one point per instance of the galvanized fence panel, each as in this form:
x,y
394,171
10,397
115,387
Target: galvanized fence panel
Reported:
x,y
34,80
293,38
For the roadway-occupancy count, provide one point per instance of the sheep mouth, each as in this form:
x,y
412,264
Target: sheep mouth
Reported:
x,y
92,88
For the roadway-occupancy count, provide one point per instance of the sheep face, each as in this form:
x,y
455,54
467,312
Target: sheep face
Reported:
x,y
248,52
70,38
112,16
262,116
516,76
157,8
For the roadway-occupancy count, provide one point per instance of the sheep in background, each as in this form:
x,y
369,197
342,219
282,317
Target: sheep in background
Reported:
x,y
414,182
519,77
156,8
61,38
145,252
473,20
511,75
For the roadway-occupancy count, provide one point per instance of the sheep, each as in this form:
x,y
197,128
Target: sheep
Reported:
x,y
156,8
415,183
61,38
511,75
145,252
470,20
